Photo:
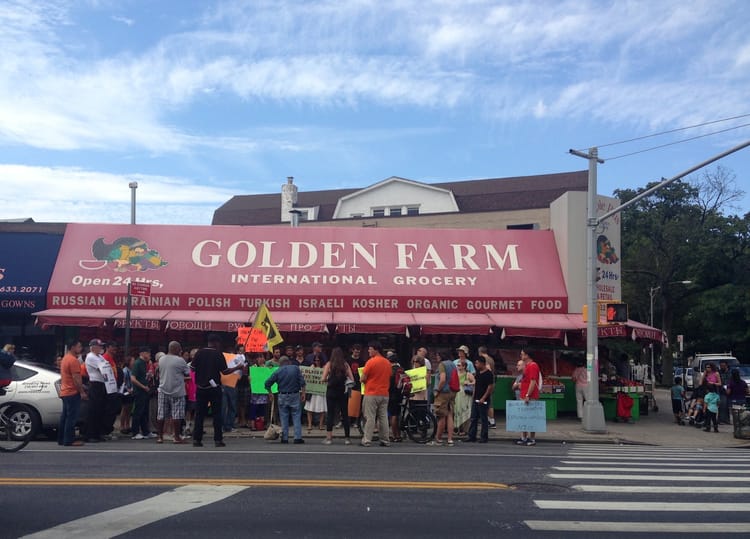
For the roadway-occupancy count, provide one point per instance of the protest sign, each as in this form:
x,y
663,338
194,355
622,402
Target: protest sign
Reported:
x,y
258,377
313,380
418,379
525,417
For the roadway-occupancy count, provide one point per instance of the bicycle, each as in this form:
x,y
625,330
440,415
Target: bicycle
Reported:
x,y
12,435
415,419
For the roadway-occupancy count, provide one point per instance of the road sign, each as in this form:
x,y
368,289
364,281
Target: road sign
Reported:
x,y
138,288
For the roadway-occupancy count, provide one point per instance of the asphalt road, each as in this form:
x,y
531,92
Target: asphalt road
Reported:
x,y
251,487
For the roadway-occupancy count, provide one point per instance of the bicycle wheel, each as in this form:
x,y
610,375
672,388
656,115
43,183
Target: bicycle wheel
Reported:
x,y
420,425
12,436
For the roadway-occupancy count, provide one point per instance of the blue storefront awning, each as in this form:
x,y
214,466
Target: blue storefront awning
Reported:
x,y
26,264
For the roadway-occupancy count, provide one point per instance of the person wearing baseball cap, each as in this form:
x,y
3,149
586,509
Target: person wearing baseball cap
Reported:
x,y
463,358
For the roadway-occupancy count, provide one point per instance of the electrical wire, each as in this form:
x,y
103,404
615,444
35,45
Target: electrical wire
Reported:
x,y
670,131
676,142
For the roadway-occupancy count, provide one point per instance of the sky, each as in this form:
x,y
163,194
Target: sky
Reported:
x,y
198,101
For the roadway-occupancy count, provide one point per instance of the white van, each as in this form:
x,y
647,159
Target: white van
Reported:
x,y
701,360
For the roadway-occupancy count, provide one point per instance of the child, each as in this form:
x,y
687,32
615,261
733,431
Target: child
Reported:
x,y
712,408
678,395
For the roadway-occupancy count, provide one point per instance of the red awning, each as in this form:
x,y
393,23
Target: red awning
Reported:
x,y
75,317
454,324
539,326
365,322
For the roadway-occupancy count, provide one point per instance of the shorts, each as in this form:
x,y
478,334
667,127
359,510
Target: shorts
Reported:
x,y
172,407
394,407
444,403
676,406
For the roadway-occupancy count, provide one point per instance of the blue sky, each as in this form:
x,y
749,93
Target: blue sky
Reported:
x,y
199,101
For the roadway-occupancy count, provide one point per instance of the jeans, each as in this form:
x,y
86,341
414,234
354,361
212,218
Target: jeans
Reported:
x,y
203,398
479,413
67,427
289,403
376,407
710,417
139,418
229,409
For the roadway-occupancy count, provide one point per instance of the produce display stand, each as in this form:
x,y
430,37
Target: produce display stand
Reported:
x,y
740,416
609,403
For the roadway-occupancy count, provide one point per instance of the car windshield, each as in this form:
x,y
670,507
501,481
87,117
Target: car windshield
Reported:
x,y
744,370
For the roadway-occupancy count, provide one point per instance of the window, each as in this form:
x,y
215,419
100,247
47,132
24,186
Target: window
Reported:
x,y
529,226
412,210
357,215
380,212
393,212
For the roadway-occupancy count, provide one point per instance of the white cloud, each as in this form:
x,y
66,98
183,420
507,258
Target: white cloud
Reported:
x,y
68,194
124,20
630,62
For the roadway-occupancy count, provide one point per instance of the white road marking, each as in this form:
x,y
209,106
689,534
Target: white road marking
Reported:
x,y
711,529
620,477
127,518
736,464
685,506
650,489
696,470
717,458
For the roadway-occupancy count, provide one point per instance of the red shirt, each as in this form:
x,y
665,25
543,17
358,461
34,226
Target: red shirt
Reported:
x,y
530,372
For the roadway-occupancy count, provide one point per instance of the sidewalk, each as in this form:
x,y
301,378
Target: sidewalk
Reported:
x,y
656,428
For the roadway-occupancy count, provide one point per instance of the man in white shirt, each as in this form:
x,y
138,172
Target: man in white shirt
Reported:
x,y
100,377
422,352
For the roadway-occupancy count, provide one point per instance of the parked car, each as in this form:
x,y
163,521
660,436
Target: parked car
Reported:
x,y
688,379
35,395
744,373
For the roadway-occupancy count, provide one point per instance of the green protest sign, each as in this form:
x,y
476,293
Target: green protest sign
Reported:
x,y
258,377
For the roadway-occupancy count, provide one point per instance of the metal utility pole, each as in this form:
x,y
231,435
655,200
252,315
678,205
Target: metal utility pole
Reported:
x,y
593,411
133,186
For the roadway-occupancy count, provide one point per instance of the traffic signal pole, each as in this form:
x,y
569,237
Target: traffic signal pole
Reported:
x,y
593,412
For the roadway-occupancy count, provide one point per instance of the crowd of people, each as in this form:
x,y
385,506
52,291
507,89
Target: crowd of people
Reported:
x,y
717,392
169,395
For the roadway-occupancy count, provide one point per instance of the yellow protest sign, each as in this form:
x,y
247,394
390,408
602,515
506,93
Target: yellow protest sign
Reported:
x,y
360,371
265,323
418,379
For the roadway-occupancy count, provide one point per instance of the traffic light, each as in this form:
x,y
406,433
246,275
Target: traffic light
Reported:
x,y
617,312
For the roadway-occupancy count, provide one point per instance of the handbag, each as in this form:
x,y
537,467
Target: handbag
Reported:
x,y
273,431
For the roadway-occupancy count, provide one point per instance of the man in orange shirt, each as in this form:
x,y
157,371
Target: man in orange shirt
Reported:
x,y
71,393
377,379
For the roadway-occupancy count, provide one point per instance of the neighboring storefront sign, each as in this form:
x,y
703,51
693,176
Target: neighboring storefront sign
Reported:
x,y
26,264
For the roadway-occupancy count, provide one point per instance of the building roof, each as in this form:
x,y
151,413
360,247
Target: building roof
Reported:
x,y
472,196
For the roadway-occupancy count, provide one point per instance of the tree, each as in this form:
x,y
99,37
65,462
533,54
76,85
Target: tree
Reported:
x,y
681,233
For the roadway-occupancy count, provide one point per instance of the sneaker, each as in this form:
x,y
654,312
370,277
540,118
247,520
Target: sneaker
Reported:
x,y
365,444
435,443
299,441
347,442
385,444
521,441
493,425
327,442
530,442
152,435
197,444
138,436
284,441
450,443
220,444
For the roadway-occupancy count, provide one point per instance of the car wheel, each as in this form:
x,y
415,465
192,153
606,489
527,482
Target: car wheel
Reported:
x,y
24,420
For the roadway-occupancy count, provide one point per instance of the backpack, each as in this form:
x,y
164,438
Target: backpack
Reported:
x,y
453,383
397,376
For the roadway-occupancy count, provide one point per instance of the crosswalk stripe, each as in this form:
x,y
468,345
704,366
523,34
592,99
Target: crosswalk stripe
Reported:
x,y
709,528
641,506
696,470
649,457
650,489
662,464
123,519
622,477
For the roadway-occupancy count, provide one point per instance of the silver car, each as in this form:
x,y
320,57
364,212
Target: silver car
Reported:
x,y
35,395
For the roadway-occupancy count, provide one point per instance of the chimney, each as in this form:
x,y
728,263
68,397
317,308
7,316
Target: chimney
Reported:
x,y
288,199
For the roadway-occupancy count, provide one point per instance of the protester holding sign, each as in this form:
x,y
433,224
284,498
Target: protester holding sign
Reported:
x,y
529,392
483,388
335,375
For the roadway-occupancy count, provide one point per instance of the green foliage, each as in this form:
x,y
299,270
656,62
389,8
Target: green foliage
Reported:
x,y
679,233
